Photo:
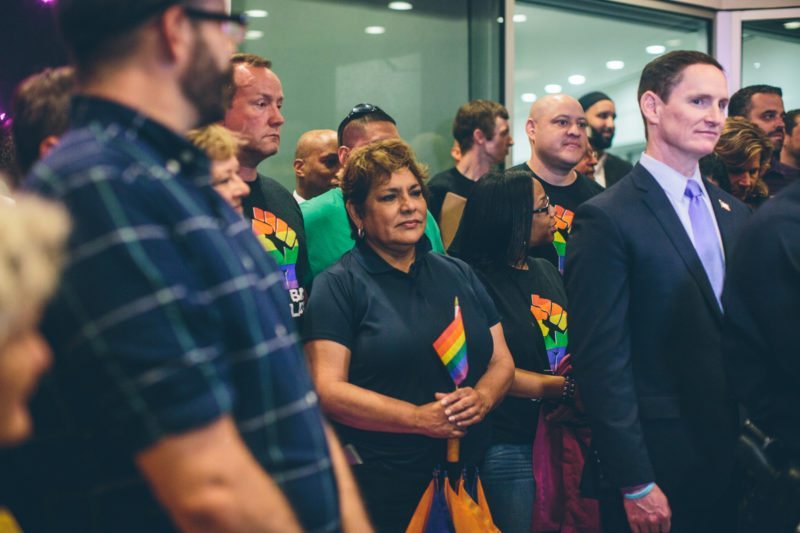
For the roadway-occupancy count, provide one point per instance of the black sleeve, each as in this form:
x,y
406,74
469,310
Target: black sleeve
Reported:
x,y
330,312
597,285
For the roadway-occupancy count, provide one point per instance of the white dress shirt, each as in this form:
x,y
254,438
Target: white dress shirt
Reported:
x,y
674,185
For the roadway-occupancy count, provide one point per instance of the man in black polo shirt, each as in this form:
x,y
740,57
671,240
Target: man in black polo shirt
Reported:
x,y
556,129
482,132
254,112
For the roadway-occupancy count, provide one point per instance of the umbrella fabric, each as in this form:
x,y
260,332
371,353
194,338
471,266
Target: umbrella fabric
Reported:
x,y
468,516
444,510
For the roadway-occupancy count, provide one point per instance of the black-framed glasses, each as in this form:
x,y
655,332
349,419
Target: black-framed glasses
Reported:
x,y
361,110
234,25
544,208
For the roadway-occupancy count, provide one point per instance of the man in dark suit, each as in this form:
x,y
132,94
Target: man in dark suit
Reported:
x,y
644,276
601,114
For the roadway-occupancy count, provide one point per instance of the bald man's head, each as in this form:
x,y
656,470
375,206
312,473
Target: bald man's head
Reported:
x,y
556,128
316,163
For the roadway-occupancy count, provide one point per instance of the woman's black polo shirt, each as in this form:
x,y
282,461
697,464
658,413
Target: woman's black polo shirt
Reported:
x,y
389,320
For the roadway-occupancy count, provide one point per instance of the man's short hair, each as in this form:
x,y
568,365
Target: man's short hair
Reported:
x,y
361,114
40,109
101,31
250,60
477,114
790,120
663,73
742,100
218,142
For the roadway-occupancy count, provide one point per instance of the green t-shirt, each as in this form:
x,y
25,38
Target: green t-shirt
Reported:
x,y
328,230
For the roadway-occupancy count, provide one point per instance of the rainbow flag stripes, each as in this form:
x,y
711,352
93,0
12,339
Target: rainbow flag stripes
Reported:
x,y
452,348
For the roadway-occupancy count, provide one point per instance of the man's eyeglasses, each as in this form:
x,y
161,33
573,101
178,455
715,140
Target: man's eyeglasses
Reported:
x,y
233,25
544,208
361,110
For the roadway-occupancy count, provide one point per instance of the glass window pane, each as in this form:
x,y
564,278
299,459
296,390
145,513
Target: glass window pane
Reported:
x,y
593,47
333,54
771,54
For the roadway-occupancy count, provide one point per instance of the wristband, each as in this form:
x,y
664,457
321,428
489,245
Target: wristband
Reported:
x,y
568,392
641,493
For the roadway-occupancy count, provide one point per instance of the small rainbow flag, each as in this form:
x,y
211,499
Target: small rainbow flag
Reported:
x,y
452,348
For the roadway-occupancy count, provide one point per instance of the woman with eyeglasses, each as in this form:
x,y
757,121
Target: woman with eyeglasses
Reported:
x,y
374,327
507,214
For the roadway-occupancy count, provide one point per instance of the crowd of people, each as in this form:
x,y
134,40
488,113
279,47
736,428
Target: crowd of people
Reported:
x,y
584,335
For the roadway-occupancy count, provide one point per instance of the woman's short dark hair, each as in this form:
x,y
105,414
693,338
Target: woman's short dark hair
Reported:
x,y
373,164
496,223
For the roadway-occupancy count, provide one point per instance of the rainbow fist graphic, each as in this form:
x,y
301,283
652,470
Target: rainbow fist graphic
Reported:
x,y
552,319
563,228
280,241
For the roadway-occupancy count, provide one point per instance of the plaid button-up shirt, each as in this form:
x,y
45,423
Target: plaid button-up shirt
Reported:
x,y
170,315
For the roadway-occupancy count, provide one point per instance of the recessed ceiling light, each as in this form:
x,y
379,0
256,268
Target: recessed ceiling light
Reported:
x,y
401,6
577,79
615,64
756,65
655,49
256,13
374,30
252,35
552,88
519,17
528,97
500,20
674,42
793,25
3,115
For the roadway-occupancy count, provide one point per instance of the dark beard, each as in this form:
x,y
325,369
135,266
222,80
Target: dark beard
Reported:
x,y
204,84
598,141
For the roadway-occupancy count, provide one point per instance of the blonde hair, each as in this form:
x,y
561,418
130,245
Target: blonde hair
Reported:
x,y
741,141
218,142
32,238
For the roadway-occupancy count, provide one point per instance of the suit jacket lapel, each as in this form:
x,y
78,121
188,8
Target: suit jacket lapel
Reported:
x,y
724,218
656,200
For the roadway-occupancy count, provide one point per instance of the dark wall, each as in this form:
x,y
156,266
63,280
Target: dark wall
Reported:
x,y
28,43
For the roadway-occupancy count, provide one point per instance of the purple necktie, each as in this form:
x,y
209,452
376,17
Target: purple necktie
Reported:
x,y
706,242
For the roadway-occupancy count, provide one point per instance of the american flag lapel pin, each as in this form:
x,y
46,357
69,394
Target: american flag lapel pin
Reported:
x,y
724,205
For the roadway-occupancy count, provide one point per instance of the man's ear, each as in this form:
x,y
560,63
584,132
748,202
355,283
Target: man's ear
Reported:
x,y
47,144
176,33
478,136
298,167
343,153
530,128
650,104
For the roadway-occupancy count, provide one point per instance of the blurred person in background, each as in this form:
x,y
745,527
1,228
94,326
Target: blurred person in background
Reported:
x,y
41,114
316,163
221,146
588,163
741,158
32,236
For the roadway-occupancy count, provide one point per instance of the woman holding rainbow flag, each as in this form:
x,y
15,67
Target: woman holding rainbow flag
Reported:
x,y
391,329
